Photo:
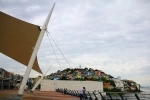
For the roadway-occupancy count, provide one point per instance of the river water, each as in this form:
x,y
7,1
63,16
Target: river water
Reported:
x,y
147,90
145,95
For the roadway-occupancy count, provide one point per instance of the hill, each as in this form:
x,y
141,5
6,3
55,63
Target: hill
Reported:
x,y
88,74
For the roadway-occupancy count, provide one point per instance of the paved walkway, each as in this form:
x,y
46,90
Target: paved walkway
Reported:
x,y
36,95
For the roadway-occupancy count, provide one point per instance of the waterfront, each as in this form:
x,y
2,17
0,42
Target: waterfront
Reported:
x,y
147,90
46,95
146,93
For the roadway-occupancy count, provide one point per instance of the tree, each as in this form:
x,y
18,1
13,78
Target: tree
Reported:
x,y
103,79
110,76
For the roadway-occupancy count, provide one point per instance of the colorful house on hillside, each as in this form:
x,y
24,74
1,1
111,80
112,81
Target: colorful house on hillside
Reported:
x,y
85,72
97,72
9,75
79,76
89,77
90,73
133,87
107,77
102,74
70,76
18,77
108,86
2,73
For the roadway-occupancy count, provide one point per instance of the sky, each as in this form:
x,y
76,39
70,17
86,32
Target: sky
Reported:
x,y
109,35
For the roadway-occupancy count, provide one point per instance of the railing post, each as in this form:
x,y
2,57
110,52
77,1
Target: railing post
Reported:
x,y
69,92
73,92
137,97
110,96
2,83
101,96
95,96
85,96
90,96
78,93
121,96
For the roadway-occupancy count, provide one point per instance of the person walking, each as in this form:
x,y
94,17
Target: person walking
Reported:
x,y
82,93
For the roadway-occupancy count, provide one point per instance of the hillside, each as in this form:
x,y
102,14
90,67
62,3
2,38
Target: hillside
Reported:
x,y
88,74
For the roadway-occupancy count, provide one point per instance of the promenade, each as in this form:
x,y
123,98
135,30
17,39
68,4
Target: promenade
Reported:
x,y
36,95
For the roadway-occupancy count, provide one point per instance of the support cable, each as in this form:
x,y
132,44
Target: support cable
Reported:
x,y
55,54
59,50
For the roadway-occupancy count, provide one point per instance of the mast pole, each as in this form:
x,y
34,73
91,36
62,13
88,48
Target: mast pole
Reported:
x,y
39,81
33,56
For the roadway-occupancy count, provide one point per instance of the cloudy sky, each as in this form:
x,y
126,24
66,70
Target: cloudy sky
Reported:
x,y
109,35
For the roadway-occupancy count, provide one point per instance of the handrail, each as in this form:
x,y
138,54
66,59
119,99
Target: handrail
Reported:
x,y
109,95
137,97
95,96
121,96
101,96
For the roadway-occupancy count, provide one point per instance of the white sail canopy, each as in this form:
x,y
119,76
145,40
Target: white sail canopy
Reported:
x,y
17,39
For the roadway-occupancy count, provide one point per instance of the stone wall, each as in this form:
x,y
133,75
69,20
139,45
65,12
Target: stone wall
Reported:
x,y
51,85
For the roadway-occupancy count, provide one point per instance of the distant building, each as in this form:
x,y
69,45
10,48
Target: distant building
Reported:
x,y
138,86
119,84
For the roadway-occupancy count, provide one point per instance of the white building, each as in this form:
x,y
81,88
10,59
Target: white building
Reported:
x,y
119,84
52,85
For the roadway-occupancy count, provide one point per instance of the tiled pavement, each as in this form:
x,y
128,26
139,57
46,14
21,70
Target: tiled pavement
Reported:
x,y
36,95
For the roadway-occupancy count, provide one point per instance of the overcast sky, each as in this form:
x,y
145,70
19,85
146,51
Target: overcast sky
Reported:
x,y
109,35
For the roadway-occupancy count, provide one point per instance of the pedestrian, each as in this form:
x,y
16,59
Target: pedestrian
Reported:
x,y
82,93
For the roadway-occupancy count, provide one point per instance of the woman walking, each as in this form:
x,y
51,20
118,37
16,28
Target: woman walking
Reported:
x,y
82,93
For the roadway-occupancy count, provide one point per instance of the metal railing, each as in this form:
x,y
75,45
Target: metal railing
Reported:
x,y
96,95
